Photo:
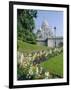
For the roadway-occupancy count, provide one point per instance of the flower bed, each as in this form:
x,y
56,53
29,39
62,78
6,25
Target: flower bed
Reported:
x,y
29,64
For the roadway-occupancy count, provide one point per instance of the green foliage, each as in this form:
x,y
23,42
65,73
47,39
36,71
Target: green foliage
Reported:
x,y
60,44
21,73
28,48
54,65
25,25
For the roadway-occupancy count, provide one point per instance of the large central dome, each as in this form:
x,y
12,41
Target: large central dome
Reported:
x,y
45,31
45,24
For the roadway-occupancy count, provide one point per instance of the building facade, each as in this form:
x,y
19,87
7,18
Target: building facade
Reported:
x,y
45,36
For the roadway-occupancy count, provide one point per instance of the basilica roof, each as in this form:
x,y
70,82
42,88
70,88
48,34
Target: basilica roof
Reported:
x,y
45,23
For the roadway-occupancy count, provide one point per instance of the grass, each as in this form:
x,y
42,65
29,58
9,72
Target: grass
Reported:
x,y
54,65
28,48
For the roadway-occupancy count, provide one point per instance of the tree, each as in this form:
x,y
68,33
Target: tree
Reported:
x,y
25,25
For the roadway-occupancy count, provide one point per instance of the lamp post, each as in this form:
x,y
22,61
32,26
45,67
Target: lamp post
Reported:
x,y
55,35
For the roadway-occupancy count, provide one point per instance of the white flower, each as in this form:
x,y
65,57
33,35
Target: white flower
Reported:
x,y
41,69
29,58
50,51
20,57
30,71
34,56
46,54
47,74
37,71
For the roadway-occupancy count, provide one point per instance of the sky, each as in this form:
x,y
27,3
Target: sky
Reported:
x,y
54,19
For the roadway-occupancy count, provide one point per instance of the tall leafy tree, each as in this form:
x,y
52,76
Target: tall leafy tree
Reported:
x,y
25,25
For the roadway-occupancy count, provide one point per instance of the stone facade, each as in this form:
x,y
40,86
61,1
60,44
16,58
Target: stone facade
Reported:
x,y
55,42
51,42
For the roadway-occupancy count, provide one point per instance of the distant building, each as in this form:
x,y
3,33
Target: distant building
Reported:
x,y
45,36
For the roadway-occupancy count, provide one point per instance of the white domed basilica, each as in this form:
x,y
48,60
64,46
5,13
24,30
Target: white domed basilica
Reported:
x,y
45,36
45,31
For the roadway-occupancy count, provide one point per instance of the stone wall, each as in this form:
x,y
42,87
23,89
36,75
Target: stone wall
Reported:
x,y
50,42
54,42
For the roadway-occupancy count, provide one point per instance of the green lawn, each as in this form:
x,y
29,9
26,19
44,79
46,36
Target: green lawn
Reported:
x,y
54,65
28,48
